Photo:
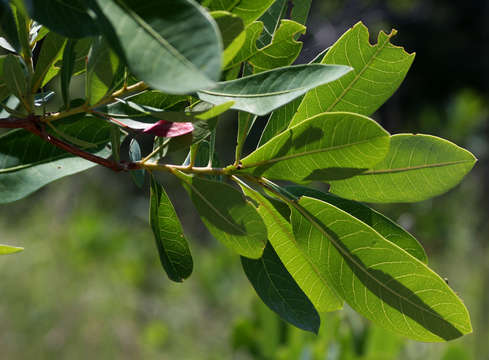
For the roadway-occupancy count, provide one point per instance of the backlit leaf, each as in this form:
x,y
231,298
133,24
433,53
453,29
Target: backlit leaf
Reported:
x,y
7,249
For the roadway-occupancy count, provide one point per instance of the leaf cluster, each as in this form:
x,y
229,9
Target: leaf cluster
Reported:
x,y
158,75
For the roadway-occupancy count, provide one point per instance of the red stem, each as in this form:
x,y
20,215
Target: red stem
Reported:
x,y
33,125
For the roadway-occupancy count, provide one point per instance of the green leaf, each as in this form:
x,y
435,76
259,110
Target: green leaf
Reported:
x,y
416,168
6,249
279,292
325,147
172,246
300,10
8,26
250,10
233,35
23,30
271,20
69,18
377,72
262,93
248,49
102,67
279,120
383,225
282,51
229,217
297,263
51,51
67,70
28,162
15,76
4,90
376,277
158,40
134,156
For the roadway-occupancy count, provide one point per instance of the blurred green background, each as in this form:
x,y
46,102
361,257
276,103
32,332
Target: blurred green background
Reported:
x,y
89,284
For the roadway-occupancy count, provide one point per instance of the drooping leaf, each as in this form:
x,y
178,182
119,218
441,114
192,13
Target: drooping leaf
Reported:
x,y
271,20
297,263
262,93
28,163
325,147
233,35
376,277
416,168
377,72
162,35
67,70
7,249
51,51
102,67
279,292
282,51
135,155
69,18
384,226
229,217
172,246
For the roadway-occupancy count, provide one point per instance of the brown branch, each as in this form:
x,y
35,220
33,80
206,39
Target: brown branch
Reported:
x,y
33,125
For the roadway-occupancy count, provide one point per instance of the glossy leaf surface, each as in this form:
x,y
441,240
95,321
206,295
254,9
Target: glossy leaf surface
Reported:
x,y
279,291
262,93
325,147
172,246
416,168
376,277
157,38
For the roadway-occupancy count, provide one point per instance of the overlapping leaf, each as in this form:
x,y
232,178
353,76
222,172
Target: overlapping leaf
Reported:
x,y
297,263
172,246
271,20
416,168
27,162
233,34
325,147
384,226
376,277
69,18
51,51
378,72
262,93
229,217
279,291
250,10
157,39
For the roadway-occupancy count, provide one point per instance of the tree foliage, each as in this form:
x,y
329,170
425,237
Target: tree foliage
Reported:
x,y
167,70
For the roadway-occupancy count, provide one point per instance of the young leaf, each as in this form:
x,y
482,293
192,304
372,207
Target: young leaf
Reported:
x,y
297,263
416,168
282,51
262,93
279,292
102,68
51,51
384,226
325,147
172,246
135,155
28,162
158,41
376,277
7,249
69,18
377,72
229,217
